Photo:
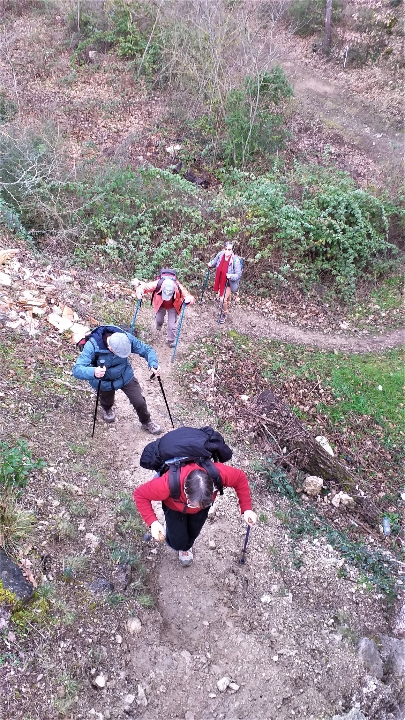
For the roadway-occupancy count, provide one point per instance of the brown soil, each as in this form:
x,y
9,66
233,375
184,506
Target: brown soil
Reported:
x,y
285,632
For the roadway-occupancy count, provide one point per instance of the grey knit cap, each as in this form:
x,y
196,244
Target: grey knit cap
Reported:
x,y
120,344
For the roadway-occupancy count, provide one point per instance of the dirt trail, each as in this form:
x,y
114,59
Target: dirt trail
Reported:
x,y
285,636
257,326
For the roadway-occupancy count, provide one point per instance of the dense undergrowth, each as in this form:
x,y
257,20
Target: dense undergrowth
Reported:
x,y
292,222
303,224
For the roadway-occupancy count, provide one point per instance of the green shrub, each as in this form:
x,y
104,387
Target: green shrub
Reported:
x,y
334,230
16,465
126,27
252,122
143,219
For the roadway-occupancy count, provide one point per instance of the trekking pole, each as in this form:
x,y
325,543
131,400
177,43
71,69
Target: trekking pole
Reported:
x,y
223,301
138,305
179,330
164,398
204,286
97,399
242,558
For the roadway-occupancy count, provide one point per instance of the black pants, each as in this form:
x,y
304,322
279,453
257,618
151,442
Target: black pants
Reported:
x,y
183,528
134,394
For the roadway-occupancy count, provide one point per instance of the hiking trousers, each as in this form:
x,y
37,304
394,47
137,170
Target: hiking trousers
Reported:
x,y
182,529
134,394
171,322
227,300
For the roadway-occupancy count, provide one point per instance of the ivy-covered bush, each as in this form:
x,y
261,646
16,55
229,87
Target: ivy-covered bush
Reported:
x,y
334,229
142,219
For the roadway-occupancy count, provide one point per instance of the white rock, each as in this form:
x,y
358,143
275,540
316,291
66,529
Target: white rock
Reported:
x,y
141,699
312,485
211,544
128,700
212,695
275,658
118,639
100,681
134,626
380,387
5,279
223,683
341,498
233,686
92,540
172,149
94,714
323,442
266,599
244,398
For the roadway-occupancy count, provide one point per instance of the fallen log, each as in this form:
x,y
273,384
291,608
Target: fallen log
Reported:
x,y
280,425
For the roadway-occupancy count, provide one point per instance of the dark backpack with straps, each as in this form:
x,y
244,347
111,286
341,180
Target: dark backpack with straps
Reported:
x,y
183,446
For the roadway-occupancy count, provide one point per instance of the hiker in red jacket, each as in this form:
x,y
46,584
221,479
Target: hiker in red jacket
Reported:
x,y
186,516
168,296
227,277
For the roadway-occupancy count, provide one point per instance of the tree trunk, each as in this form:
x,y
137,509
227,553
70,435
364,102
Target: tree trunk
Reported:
x,y
328,20
283,429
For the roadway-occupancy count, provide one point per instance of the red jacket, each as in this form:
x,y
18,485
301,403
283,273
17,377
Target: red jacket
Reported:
x,y
158,489
179,294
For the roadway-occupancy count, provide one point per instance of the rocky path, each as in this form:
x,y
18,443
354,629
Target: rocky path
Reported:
x,y
279,639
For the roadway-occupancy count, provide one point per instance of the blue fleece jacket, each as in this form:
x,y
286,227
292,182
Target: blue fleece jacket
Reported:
x,y
119,371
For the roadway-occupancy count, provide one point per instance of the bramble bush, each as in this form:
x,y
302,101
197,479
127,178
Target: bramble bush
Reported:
x,y
310,223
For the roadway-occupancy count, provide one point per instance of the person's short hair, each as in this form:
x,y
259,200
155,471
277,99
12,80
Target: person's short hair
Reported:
x,y
228,244
199,487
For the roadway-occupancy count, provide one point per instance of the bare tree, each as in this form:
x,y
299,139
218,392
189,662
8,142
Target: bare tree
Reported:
x,y
328,22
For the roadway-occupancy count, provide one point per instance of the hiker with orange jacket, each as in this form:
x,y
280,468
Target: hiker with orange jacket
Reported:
x,y
168,296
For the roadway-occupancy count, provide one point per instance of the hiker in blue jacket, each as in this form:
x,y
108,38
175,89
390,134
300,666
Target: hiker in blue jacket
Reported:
x,y
105,359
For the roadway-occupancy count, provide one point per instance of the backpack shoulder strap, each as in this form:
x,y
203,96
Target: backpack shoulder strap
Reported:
x,y
174,479
213,472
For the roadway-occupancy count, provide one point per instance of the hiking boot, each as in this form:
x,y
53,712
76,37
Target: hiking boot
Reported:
x,y
171,343
185,557
222,319
152,428
108,415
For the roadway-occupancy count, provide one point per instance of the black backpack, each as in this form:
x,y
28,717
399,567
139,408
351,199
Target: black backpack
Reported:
x,y
183,446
